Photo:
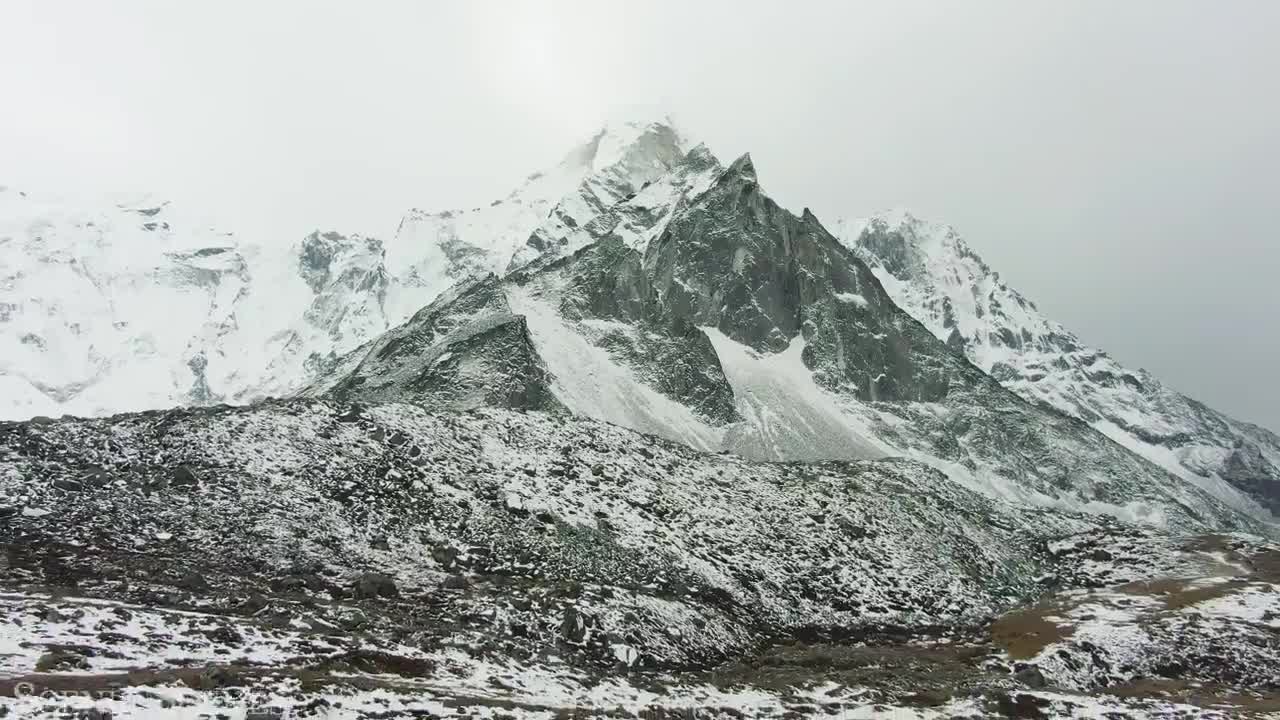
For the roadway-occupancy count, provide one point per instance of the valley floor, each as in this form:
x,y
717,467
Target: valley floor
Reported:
x,y
68,656
300,559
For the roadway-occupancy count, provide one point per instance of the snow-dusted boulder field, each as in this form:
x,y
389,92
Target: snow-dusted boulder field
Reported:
x,y
353,560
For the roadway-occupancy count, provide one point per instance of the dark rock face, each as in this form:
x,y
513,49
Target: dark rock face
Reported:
x,y
315,257
608,281
324,259
68,485
463,351
200,394
679,361
349,279
1031,677
737,261
184,476
1248,469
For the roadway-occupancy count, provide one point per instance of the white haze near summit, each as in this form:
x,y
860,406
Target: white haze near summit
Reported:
x,y
1117,162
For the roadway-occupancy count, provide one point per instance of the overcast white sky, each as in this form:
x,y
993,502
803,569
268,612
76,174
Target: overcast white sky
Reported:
x,y
1116,161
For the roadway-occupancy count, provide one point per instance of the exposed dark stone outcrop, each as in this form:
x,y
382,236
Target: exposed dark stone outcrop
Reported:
x,y
463,351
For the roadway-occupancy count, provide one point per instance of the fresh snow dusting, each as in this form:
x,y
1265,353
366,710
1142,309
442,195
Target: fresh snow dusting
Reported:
x,y
632,441
1173,461
1256,603
34,622
604,321
300,503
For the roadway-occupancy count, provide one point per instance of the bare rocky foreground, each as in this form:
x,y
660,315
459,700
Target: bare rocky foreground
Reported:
x,y
341,561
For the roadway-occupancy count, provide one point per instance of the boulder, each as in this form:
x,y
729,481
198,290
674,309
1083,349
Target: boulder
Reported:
x,y
375,584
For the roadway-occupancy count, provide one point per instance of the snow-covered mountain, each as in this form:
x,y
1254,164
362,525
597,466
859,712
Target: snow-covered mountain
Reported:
x,y
638,281
636,417
113,306
700,311
431,251
131,305
933,274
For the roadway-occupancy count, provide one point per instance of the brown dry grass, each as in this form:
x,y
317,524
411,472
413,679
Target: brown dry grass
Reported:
x,y
1179,593
1162,586
1205,696
1266,566
1024,633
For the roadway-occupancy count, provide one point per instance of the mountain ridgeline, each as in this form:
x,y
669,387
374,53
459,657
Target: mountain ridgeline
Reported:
x,y
641,282
721,320
633,437
932,273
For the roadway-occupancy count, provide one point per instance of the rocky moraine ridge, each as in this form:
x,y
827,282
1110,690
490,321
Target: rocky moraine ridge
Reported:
x,y
633,440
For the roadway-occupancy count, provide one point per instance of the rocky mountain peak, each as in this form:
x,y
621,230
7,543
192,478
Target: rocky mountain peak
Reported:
x,y
908,245
700,157
431,251
633,144
931,272
699,310
743,169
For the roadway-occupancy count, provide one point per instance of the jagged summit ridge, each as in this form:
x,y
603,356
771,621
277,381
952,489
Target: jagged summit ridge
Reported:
x,y
744,168
432,250
936,276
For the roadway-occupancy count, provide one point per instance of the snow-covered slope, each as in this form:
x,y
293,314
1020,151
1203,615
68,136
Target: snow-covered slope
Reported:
x,y
931,272
387,561
115,306
110,307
